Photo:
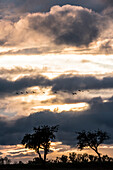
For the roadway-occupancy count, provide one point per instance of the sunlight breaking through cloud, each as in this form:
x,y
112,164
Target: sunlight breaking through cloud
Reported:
x,y
64,107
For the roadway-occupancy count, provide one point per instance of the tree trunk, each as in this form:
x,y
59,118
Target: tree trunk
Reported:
x,y
45,154
98,155
96,150
39,154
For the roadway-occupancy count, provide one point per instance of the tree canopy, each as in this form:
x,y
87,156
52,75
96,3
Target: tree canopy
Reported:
x,y
91,139
40,139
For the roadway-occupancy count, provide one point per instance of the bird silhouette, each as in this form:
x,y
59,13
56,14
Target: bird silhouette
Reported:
x,y
74,93
81,90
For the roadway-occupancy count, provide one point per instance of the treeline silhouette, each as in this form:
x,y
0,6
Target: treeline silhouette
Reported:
x,y
72,161
72,158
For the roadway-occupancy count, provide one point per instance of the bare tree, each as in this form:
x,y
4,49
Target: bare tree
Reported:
x,y
91,139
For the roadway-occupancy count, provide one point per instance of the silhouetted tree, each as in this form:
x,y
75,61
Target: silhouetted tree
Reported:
x,y
91,139
64,158
105,158
72,157
20,163
79,158
91,158
7,161
1,161
30,162
4,160
85,157
36,160
57,160
40,139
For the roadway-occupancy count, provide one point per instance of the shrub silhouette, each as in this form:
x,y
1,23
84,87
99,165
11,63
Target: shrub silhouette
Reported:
x,y
72,157
64,158
5,161
91,139
40,139
75,158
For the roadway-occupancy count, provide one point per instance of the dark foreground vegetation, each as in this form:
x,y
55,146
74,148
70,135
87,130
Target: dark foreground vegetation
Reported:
x,y
72,161
60,166
41,140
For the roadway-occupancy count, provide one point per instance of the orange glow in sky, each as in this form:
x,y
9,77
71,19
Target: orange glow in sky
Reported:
x,y
63,107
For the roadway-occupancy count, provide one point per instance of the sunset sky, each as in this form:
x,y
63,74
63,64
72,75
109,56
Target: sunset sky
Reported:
x,y
56,68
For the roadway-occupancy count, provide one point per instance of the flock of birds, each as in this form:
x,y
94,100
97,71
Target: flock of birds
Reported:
x,y
55,92
26,92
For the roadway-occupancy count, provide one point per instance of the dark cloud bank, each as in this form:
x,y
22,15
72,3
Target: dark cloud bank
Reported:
x,y
63,82
81,82
100,115
8,87
109,2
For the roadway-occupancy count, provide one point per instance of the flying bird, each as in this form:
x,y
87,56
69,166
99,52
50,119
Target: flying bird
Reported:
x,y
81,90
74,93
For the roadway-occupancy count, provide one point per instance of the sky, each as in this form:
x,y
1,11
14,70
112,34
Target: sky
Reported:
x,y
56,68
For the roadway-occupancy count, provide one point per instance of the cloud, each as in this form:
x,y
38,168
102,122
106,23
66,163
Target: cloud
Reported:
x,y
56,28
106,47
37,32
26,51
81,29
111,98
99,116
70,82
61,83
7,86
1,153
17,72
22,155
109,2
